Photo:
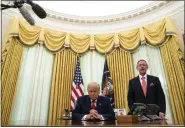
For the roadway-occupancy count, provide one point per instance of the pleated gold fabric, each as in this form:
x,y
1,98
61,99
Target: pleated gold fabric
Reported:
x,y
79,42
130,40
103,42
64,68
12,56
29,35
174,69
53,40
153,34
121,70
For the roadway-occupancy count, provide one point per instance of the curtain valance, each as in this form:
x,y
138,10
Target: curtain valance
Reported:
x,y
153,34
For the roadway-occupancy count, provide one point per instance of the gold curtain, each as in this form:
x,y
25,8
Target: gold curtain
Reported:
x,y
79,42
103,42
130,40
11,61
153,34
120,66
53,40
174,70
64,68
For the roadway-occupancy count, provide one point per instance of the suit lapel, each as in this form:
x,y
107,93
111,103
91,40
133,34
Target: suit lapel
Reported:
x,y
98,103
138,83
148,84
89,103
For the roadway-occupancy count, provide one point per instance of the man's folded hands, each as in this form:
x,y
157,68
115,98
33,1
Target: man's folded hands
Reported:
x,y
93,114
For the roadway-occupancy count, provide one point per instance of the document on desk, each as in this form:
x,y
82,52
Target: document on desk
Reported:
x,y
143,118
154,117
121,112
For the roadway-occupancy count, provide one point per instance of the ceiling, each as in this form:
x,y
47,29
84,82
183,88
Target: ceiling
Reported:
x,y
92,8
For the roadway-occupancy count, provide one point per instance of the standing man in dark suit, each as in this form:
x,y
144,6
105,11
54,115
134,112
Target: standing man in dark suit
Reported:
x,y
93,106
146,89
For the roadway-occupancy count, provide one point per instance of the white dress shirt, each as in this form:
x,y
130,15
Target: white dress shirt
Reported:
x,y
141,79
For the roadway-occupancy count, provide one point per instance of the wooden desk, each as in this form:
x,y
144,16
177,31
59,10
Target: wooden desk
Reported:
x,y
70,123
61,122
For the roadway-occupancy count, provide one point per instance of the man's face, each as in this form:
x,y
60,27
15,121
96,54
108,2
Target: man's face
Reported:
x,y
142,67
93,92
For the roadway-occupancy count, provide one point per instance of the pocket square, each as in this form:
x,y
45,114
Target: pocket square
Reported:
x,y
151,84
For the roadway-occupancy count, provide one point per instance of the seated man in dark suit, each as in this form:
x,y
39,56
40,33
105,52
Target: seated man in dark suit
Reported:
x,y
93,106
146,89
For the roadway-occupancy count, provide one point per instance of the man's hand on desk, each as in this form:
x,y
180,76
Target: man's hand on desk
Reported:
x,y
97,116
93,111
162,115
93,114
89,116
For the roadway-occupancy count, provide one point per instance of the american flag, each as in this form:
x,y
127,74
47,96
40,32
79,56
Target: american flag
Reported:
x,y
78,86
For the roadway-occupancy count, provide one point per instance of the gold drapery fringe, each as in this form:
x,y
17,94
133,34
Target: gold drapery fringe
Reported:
x,y
175,77
121,70
12,57
64,68
153,34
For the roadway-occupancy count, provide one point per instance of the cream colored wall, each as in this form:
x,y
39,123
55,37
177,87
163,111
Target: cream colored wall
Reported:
x,y
175,10
6,19
179,22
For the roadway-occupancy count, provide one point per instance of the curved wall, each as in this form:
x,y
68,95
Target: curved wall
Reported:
x,y
120,22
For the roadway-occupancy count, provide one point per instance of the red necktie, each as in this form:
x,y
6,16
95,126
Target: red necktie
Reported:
x,y
93,105
144,86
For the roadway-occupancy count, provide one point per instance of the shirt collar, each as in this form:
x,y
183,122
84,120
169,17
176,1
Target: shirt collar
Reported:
x,y
144,76
94,100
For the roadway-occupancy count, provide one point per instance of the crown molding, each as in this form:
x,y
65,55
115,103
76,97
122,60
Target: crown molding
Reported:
x,y
130,15
105,19
172,8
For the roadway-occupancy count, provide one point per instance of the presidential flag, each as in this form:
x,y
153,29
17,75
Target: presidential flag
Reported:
x,y
77,86
107,83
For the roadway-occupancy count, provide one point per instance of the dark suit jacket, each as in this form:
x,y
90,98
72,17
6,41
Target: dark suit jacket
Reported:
x,y
155,94
83,106
111,98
